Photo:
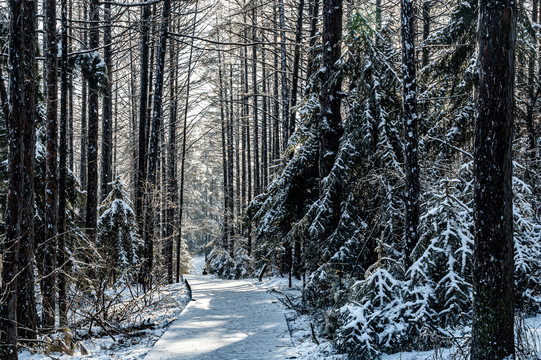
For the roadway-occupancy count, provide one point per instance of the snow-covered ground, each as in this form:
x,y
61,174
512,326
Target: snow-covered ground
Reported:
x,y
163,307
234,319
227,319
300,328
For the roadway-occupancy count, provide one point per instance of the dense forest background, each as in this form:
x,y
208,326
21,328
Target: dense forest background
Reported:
x,y
329,141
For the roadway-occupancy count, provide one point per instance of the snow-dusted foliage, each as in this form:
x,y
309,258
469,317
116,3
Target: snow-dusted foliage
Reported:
x,y
350,224
286,200
93,69
527,233
221,263
117,235
372,321
444,252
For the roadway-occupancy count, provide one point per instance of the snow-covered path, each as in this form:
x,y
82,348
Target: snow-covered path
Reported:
x,y
228,319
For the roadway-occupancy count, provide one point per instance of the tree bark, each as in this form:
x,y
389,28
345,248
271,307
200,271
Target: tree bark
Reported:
x,y
296,63
107,115
143,104
71,151
26,302
276,108
183,151
532,93
314,12
232,159
93,124
154,140
283,69
172,164
84,126
493,316
330,126
264,124
426,32
409,96
257,166
48,288
225,166
15,125
62,251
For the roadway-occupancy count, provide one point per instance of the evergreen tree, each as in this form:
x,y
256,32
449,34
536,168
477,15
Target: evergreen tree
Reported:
x,y
118,238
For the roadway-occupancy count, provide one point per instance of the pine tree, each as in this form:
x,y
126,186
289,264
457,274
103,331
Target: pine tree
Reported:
x,y
117,232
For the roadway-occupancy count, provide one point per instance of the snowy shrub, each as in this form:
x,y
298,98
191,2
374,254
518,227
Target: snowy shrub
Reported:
x,y
117,236
221,263
445,249
527,236
373,321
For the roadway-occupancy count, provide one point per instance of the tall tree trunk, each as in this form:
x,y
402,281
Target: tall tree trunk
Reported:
x,y
409,94
426,31
48,288
532,93
154,142
314,12
183,150
492,327
233,193
133,122
15,125
264,124
84,127
243,121
283,69
93,124
330,127
296,63
150,92
26,302
257,167
276,111
225,165
71,152
249,182
238,197
143,104
62,251
172,163
107,115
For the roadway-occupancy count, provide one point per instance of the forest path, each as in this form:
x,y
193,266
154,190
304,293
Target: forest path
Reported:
x,y
227,320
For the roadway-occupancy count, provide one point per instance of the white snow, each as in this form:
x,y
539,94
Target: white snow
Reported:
x,y
233,319
165,305
227,319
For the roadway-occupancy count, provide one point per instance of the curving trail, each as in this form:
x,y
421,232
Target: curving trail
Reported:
x,y
227,320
